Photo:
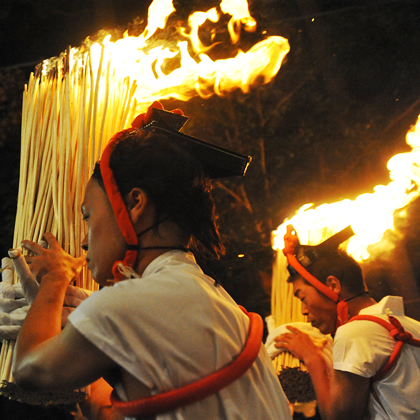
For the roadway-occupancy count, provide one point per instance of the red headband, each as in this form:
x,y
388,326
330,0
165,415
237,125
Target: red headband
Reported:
x,y
291,244
118,206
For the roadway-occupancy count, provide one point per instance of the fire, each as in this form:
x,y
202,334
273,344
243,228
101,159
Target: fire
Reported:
x,y
370,215
74,103
164,69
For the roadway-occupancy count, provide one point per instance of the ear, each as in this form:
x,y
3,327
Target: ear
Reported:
x,y
334,284
136,201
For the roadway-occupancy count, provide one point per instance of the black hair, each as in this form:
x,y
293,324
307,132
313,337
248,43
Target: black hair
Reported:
x,y
173,180
339,264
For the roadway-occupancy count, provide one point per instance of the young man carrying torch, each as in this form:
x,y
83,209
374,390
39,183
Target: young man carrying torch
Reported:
x,y
376,353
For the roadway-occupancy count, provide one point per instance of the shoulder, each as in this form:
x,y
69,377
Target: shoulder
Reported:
x,y
361,347
359,332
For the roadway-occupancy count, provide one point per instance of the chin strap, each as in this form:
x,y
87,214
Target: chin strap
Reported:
x,y
203,388
397,333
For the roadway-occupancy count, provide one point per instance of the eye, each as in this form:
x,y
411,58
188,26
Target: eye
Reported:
x,y
85,217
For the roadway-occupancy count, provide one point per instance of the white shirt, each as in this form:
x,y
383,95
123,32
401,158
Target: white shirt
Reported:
x,y
173,326
363,347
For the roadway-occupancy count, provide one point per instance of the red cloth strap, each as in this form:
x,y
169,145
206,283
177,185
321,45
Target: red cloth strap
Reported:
x,y
203,388
291,244
397,333
121,214
325,290
120,210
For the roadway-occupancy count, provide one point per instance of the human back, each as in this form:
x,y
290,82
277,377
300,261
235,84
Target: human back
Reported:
x,y
363,347
182,327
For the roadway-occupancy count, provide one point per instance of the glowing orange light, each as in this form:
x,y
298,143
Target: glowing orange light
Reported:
x,y
370,215
164,69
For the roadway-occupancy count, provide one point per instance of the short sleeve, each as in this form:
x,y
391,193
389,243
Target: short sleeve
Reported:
x,y
362,348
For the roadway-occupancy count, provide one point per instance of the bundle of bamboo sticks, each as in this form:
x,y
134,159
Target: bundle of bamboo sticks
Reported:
x,y
72,105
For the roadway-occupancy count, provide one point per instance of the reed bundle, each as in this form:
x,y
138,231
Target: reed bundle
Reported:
x,y
72,105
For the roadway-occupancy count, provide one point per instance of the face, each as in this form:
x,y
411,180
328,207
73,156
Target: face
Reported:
x,y
320,310
104,241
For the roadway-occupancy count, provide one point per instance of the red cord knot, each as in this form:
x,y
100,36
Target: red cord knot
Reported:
x,y
399,333
116,272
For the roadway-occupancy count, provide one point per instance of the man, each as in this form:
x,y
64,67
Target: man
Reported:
x,y
171,342
332,291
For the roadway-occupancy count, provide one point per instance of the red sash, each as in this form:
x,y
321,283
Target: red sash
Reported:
x,y
397,333
203,388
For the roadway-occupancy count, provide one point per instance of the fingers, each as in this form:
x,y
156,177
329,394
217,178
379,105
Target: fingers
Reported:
x,y
81,260
285,336
78,292
293,329
33,247
51,241
38,248
65,315
282,341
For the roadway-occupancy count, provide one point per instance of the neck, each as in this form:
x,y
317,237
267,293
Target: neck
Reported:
x,y
358,303
154,243
145,257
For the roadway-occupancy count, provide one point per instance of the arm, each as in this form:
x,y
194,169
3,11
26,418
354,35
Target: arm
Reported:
x,y
45,356
340,395
349,396
310,352
65,362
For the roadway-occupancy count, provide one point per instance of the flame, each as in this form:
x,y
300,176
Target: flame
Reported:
x,y
164,69
74,103
370,215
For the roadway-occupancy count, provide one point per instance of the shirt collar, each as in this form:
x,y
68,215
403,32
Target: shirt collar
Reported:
x,y
390,304
159,262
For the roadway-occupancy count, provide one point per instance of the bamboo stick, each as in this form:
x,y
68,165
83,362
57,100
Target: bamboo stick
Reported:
x,y
68,114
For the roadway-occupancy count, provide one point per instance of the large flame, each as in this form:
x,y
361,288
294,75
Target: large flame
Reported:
x,y
179,67
370,215
74,103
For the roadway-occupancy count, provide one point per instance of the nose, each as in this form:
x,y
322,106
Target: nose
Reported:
x,y
304,309
84,244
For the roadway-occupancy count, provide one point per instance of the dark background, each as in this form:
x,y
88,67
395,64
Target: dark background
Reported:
x,y
321,131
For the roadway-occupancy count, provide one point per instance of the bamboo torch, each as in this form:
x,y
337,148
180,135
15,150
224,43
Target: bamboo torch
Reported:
x,y
70,108
286,309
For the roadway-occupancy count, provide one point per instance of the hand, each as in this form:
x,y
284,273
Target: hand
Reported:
x,y
14,299
53,261
300,344
74,296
